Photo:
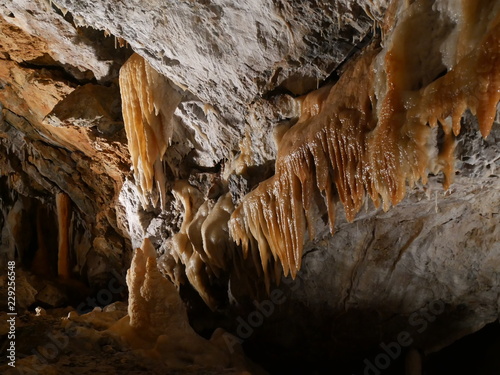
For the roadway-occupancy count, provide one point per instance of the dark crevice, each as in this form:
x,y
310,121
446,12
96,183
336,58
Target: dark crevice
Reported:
x,y
336,71
58,73
276,92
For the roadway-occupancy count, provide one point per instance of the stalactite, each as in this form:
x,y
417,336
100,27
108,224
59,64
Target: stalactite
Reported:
x,y
63,206
215,235
148,101
370,133
202,246
182,249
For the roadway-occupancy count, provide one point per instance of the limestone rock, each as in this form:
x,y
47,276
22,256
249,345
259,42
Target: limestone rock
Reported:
x,y
66,43
51,295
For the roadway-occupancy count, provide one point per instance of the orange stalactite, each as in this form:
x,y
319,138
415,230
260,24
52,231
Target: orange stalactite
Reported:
x,y
202,247
149,101
371,134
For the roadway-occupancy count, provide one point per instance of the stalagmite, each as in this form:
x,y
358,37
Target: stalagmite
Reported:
x,y
152,298
371,132
149,101
157,321
63,206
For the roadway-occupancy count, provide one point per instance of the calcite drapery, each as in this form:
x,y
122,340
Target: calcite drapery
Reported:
x,y
371,133
148,101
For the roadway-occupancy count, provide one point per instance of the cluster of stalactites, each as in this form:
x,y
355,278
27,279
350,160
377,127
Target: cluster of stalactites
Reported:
x,y
202,248
148,101
371,134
